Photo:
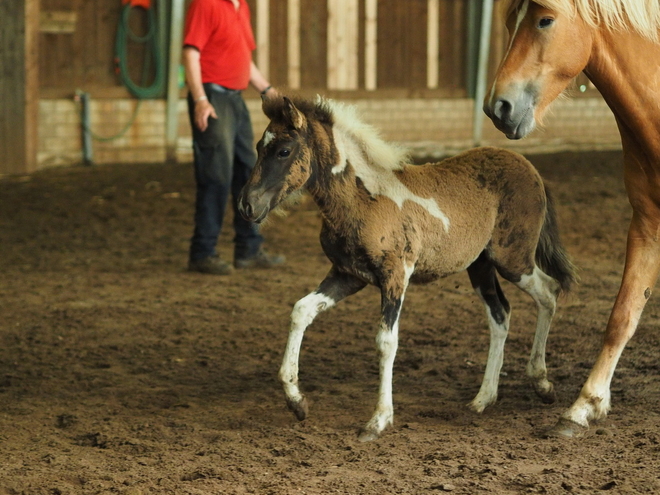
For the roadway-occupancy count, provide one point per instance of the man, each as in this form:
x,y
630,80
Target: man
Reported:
x,y
217,57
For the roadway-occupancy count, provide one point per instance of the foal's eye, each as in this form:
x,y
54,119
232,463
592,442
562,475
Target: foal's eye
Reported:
x,y
546,22
284,153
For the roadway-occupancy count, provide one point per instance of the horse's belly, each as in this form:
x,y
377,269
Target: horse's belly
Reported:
x,y
450,255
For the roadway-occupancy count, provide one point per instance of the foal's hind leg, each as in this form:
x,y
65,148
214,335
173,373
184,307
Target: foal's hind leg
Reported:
x,y
335,287
544,290
484,281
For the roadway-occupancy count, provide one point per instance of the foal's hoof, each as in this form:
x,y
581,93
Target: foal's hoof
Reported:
x,y
367,434
546,393
565,428
299,408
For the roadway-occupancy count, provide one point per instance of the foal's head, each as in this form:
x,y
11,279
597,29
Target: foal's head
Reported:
x,y
284,162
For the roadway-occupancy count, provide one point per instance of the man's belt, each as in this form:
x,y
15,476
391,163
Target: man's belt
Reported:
x,y
221,89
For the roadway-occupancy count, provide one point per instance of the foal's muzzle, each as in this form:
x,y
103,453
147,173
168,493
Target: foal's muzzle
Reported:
x,y
254,204
512,112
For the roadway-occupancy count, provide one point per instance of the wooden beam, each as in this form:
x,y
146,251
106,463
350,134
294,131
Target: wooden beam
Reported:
x,y
293,44
58,22
173,93
19,85
371,45
433,44
263,37
342,44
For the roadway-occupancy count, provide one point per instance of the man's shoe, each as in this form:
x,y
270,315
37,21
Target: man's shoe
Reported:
x,y
212,265
260,260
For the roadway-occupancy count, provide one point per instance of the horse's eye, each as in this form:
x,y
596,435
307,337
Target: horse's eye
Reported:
x,y
546,22
284,153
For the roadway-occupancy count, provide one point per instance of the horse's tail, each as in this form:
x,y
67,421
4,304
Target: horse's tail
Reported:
x,y
550,254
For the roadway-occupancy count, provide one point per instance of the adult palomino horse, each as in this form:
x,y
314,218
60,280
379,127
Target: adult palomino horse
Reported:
x,y
615,42
386,223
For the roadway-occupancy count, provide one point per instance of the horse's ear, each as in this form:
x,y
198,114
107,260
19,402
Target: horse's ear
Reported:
x,y
294,116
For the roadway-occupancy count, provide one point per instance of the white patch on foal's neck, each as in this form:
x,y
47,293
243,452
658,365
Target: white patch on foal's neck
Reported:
x,y
268,137
377,180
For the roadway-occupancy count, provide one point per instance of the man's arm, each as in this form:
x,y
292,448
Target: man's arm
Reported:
x,y
259,81
193,69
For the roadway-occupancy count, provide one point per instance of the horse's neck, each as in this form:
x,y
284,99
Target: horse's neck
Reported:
x,y
626,70
334,186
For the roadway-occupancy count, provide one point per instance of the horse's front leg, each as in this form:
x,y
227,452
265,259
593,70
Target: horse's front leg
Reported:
x,y
335,287
387,341
639,277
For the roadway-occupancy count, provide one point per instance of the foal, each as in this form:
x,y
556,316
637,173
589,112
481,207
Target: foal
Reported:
x,y
389,224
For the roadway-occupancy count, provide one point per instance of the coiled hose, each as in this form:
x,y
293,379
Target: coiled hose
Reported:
x,y
124,34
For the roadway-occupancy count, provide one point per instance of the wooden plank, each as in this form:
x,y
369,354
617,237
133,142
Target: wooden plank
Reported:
x,y
402,44
342,44
314,44
433,44
293,44
19,85
452,44
279,72
58,21
262,35
371,44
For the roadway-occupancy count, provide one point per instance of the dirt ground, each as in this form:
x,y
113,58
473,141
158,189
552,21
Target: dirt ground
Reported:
x,y
121,372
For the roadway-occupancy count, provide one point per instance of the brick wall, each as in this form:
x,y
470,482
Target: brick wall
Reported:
x,y
431,127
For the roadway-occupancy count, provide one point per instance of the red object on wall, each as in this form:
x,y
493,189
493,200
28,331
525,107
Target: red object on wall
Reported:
x,y
137,3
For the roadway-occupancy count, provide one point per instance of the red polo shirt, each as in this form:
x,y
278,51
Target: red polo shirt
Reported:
x,y
223,36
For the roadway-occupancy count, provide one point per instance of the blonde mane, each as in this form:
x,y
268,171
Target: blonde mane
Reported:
x,y
378,152
640,16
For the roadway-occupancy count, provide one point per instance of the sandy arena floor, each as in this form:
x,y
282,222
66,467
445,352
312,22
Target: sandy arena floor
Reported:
x,y
120,372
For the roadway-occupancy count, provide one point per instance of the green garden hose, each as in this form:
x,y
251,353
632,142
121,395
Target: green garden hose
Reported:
x,y
124,33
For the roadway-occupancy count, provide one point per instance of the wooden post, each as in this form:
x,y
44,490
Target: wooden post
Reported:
x,y
371,44
263,37
433,44
19,85
293,44
342,44
172,105
482,70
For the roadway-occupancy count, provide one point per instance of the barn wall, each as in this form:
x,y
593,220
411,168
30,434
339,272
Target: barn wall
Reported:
x,y
414,100
439,125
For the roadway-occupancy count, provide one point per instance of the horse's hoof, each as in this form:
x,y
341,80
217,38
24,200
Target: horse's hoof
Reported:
x,y
565,428
368,435
547,396
478,405
300,408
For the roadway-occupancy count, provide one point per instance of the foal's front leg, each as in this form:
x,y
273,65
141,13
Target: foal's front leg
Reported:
x,y
335,287
387,340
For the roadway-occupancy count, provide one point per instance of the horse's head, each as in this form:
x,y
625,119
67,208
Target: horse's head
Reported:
x,y
283,163
547,49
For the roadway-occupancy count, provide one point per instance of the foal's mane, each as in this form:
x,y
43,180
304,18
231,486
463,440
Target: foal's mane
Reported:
x,y
640,16
344,118
378,152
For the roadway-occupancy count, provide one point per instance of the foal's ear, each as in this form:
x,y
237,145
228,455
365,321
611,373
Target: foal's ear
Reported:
x,y
294,116
268,106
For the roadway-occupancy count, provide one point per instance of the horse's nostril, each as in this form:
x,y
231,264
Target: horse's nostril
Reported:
x,y
503,109
247,209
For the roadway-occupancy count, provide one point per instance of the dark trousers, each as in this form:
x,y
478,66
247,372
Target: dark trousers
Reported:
x,y
224,157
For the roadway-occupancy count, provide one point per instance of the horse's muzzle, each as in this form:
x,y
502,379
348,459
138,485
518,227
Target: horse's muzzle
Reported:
x,y
512,112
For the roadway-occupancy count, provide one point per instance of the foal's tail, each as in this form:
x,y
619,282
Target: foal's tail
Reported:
x,y
550,254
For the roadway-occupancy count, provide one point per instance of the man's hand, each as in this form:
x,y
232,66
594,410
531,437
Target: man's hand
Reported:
x,y
204,110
